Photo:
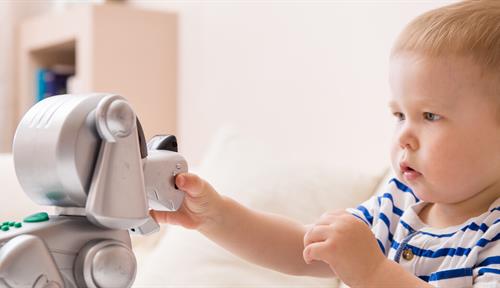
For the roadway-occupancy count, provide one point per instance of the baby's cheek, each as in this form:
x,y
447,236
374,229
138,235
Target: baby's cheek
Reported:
x,y
444,177
443,162
395,157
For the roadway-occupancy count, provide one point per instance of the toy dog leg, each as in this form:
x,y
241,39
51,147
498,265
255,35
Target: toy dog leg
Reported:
x,y
25,261
105,263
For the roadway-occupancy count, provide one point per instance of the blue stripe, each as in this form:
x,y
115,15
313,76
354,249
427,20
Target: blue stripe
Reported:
x,y
489,261
395,245
402,187
360,218
425,278
395,209
367,214
488,270
472,226
381,246
407,226
495,209
483,242
447,274
387,222
437,235
459,251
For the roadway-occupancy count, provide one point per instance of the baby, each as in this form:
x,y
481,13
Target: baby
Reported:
x,y
437,221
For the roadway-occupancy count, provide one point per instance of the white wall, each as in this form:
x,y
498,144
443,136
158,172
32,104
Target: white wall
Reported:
x,y
11,14
5,86
306,78
309,77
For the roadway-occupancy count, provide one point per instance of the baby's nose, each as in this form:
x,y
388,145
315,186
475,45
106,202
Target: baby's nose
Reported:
x,y
407,139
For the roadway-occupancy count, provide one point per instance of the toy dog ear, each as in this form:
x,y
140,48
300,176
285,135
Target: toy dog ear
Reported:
x,y
117,198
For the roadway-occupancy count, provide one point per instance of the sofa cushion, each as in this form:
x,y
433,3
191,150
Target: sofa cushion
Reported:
x,y
245,170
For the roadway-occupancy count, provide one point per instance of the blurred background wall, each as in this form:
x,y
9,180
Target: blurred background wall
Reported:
x,y
307,78
11,14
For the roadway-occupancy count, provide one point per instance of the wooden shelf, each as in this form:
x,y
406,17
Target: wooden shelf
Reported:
x,y
114,48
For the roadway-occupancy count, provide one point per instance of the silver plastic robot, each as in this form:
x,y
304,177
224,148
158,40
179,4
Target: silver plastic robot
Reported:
x,y
86,155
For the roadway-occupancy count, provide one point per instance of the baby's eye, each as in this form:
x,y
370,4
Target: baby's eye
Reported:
x,y
431,116
400,116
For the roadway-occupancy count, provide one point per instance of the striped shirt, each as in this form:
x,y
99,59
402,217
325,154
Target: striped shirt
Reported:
x,y
467,255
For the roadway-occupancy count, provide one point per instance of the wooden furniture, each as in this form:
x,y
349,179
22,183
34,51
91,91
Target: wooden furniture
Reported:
x,y
114,48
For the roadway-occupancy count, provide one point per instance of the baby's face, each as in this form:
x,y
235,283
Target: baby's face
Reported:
x,y
446,143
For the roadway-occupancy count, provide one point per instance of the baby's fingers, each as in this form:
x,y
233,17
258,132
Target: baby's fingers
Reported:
x,y
315,251
317,233
174,218
163,216
332,217
190,183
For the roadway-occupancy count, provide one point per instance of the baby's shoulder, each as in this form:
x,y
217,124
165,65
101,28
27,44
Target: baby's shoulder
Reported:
x,y
484,238
482,232
489,222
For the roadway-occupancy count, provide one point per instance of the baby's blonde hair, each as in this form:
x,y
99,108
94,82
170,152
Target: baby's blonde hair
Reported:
x,y
469,28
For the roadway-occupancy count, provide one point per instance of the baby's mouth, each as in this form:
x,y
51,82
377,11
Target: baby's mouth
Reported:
x,y
408,172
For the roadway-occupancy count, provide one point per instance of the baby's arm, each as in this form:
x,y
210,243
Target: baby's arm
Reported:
x,y
265,239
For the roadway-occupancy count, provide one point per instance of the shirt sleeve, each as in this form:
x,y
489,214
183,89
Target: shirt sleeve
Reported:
x,y
366,210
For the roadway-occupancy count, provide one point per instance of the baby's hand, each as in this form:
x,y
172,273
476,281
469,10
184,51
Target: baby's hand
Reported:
x,y
346,244
200,205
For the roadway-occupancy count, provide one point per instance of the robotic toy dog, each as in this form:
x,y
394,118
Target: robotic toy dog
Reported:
x,y
86,155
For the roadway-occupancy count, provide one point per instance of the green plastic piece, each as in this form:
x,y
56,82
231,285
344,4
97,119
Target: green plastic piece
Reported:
x,y
5,223
55,195
5,228
18,225
11,223
38,217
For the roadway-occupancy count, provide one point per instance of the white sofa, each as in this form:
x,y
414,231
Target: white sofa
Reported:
x,y
241,169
